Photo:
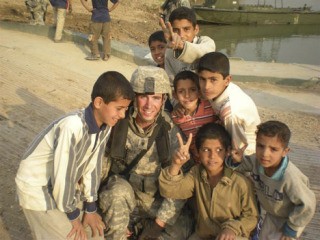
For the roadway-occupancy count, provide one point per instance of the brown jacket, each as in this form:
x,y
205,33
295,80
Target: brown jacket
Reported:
x,y
231,204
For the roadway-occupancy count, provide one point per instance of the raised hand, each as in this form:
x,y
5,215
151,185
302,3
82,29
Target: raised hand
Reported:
x,y
238,153
181,155
173,39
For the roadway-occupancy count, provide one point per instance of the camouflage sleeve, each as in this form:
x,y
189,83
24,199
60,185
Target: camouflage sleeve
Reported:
x,y
170,209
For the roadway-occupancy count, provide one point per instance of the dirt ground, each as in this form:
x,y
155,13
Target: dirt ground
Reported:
x,y
132,22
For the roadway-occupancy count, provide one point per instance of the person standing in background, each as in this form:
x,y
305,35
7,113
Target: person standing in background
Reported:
x,y
169,5
60,9
38,11
100,25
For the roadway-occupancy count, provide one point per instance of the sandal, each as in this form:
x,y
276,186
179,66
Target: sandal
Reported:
x,y
92,58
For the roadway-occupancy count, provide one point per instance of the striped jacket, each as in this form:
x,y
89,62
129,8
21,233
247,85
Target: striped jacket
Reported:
x,y
63,157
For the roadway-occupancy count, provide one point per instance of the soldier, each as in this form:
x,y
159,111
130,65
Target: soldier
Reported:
x,y
38,10
169,5
140,146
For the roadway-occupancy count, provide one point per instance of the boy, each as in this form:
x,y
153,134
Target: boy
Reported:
x,y
282,189
62,166
236,110
157,45
226,207
60,9
100,25
197,112
184,46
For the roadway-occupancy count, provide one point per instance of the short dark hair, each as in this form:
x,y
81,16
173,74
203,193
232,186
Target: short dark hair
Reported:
x,y
214,62
213,131
184,75
157,36
181,13
111,86
275,129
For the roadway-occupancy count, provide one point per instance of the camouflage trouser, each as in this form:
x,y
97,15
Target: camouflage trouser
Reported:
x,y
38,10
120,205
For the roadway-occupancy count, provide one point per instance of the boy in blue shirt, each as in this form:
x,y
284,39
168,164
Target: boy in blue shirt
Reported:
x,y
100,25
282,189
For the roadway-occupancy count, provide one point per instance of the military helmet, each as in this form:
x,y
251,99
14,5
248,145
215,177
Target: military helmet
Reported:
x,y
150,79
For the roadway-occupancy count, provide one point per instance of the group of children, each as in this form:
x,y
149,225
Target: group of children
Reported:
x,y
221,127
221,117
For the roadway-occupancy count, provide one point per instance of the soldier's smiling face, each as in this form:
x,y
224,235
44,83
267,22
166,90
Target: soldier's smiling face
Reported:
x,y
149,106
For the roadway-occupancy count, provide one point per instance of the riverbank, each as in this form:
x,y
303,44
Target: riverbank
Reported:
x,y
132,21
39,84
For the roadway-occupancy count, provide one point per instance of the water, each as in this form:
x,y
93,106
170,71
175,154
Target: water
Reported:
x,y
270,43
315,4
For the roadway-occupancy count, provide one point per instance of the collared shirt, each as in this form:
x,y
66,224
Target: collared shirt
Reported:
x,y
68,152
230,204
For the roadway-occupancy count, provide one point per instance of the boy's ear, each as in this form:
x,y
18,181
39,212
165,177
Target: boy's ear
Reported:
x,y
196,29
97,102
285,151
228,79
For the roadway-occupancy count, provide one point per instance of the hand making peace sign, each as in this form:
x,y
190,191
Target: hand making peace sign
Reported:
x,y
182,155
238,153
173,39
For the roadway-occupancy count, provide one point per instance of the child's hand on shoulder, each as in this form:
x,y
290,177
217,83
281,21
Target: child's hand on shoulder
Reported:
x,y
178,110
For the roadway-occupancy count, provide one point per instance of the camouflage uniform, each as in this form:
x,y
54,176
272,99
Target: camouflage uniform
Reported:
x,y
38,10
169,5
135,198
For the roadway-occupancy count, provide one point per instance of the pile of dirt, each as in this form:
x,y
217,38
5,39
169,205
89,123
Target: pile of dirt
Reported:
x,y
132,21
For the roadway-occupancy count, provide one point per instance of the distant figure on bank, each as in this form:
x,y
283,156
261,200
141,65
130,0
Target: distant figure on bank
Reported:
x,y
60,9
100,26
169,5
38,11
59,174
